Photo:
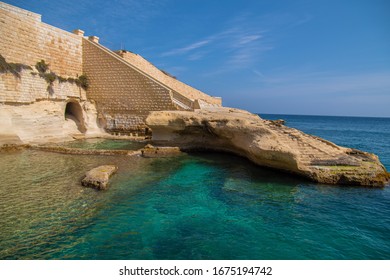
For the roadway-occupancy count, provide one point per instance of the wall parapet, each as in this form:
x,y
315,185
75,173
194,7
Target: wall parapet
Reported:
x,y
20,11
169,81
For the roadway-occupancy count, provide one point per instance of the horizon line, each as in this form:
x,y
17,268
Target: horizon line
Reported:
x,y
285,114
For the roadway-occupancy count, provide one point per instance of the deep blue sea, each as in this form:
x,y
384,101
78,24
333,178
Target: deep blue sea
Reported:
x,y
197,206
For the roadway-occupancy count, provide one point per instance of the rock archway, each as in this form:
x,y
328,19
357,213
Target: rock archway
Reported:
x,y
74,112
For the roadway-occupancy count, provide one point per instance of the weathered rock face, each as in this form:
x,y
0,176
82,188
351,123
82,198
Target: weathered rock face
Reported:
x,y
44,121
267,143
98,177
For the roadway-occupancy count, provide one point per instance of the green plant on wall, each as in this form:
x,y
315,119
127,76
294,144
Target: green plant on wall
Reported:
x,y
83,81
42,66
50,77
71,80
44,72
13,68
62,79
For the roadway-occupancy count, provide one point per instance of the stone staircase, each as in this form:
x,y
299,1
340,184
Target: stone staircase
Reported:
x,y
314,152
179,100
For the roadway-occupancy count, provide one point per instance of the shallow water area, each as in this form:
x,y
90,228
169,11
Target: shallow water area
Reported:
x,y
104,144
196,206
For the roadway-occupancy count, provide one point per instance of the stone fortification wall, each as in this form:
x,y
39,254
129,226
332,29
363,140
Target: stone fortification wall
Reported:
x,y
34,109
25,39
123,95
171,82
125,91
29,87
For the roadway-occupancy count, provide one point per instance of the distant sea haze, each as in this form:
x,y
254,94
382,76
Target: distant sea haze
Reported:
x,y
197,206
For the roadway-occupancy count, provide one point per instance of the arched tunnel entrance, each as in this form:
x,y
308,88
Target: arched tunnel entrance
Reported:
x,y
74,112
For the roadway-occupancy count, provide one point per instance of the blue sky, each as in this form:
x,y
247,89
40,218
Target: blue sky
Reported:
x,y
289,57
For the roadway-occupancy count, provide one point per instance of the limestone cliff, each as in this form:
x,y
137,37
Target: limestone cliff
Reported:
x,y
267,143
45,121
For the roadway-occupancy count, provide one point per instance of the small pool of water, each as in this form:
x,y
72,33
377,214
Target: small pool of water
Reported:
x,y
105,144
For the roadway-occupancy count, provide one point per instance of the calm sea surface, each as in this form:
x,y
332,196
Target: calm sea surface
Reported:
x,y
200,206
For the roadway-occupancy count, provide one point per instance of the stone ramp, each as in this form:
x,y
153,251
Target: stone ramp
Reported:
x,y
179,100
323,156
310,148
171,82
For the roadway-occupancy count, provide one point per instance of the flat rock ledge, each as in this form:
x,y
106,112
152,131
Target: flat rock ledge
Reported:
x,y
79,151
98,177
267,143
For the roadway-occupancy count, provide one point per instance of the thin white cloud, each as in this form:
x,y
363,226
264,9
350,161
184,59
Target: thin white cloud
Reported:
x,y
249,39
258,73
187,49
196,56
306,18
242,57
240,45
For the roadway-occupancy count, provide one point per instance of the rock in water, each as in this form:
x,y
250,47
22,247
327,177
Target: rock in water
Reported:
x,y
279,122
98,177
150,151
267,144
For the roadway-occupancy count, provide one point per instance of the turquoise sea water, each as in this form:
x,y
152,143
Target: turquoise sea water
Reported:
x,y
199,206
103,144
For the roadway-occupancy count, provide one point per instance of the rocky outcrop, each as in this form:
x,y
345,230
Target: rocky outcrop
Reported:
x,y
98,177
267,143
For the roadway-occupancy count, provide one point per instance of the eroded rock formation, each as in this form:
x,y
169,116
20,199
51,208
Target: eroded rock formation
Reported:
x,y
267,143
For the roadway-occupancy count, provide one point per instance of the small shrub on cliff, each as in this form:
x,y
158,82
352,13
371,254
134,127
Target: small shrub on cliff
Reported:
x,y
42,66
82,81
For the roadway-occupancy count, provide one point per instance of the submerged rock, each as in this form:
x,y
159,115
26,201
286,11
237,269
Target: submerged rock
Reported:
x,y
267,144
81,151
151,151
98,177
